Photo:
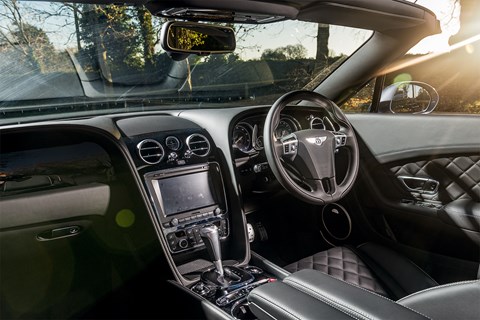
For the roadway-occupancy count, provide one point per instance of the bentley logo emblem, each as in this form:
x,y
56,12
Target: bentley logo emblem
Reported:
x,y
317,140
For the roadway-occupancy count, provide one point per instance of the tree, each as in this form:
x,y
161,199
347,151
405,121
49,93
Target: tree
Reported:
x,y
110,35
289,52
295,52
35,43
323,33
273,54
28,40
148,36
469,20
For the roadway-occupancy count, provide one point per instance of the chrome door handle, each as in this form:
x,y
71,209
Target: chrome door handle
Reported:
x,y
420,185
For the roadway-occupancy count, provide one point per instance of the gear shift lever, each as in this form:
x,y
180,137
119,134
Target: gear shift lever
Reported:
x,y
211,239
228,277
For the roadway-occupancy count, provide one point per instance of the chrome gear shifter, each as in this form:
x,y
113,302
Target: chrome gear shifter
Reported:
x,y
211,239
224,278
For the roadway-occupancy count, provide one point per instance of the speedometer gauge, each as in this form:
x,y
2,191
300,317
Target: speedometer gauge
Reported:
x,y
284,128
242,139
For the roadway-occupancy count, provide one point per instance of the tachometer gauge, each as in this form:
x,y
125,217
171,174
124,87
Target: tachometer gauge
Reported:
x,y
242,139
284,128
259,143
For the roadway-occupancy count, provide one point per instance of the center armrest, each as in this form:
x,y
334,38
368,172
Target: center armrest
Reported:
x,y
311,294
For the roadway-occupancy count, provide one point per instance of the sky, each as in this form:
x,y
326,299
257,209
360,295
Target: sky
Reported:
x,y
345,40
448,14
342,40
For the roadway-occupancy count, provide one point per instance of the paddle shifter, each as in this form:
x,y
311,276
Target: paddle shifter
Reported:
x,y
211,240
224,278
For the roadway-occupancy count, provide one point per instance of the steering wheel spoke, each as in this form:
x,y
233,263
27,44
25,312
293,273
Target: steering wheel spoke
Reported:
x,y
323,187
340,139
289,146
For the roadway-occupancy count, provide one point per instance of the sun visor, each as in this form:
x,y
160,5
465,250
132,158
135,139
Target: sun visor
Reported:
x,y
393,16
223,11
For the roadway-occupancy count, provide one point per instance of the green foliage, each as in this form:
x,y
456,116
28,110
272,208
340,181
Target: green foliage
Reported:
x,y
36,45
109,33
290,52
187,39
147,33
120,41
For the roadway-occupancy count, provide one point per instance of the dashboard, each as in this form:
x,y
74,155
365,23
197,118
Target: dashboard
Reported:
x,y
157,177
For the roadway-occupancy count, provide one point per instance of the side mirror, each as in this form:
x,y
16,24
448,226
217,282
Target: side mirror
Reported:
x,y
198,38
409,97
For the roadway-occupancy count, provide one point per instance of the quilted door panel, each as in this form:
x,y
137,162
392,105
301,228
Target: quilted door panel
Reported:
x,y
458,177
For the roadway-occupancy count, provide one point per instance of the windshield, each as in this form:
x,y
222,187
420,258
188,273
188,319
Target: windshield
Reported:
x,y
82,56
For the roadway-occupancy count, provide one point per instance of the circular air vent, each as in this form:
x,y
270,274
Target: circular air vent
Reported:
x,y
198,144
317,123
172,143
150,151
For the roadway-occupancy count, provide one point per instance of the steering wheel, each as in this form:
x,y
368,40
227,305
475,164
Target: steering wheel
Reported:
x,y
304,161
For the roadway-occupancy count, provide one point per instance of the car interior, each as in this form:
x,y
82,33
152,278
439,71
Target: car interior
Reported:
x,y
269,201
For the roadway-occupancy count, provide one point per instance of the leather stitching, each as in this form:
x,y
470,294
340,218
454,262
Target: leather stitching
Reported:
x,y
281,308
418,312
459,177
345,308
340,263
438,287
263,310
378,295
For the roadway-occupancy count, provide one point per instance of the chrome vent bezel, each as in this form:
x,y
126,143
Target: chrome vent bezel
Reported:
x,y
199,152
176,141
141,147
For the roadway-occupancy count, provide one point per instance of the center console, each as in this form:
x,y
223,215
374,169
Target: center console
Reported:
x,y
227,287
185,200
233,301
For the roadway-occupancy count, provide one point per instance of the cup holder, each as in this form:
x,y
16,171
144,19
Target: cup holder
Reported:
x,y
241,310
336,221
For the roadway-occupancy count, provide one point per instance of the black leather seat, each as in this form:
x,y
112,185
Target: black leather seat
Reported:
x,y
310,294
373,278
369,266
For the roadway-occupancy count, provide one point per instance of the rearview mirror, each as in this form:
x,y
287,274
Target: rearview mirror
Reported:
x,y
409,97
197,38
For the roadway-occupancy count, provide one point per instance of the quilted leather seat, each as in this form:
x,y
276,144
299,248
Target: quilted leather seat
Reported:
x,y
343,264
371,267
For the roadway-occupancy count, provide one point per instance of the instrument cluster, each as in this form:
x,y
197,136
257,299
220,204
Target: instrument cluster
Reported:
x,y
247,135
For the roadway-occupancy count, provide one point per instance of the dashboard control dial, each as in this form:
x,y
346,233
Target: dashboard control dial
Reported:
x,y
172,143
242,140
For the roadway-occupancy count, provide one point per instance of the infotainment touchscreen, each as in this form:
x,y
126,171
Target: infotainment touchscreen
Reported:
x,y
186,192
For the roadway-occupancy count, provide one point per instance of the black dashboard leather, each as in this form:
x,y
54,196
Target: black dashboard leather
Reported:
x,y
310,294
459,177
453,301
341,263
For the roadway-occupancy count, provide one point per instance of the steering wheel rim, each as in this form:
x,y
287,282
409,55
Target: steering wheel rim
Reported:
x,y
311,152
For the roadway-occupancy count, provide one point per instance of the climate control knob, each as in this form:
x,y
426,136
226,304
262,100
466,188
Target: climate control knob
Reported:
x,y
183,243
172,157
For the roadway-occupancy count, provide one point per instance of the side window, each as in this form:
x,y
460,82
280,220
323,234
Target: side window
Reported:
x,y
361,101
453,75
